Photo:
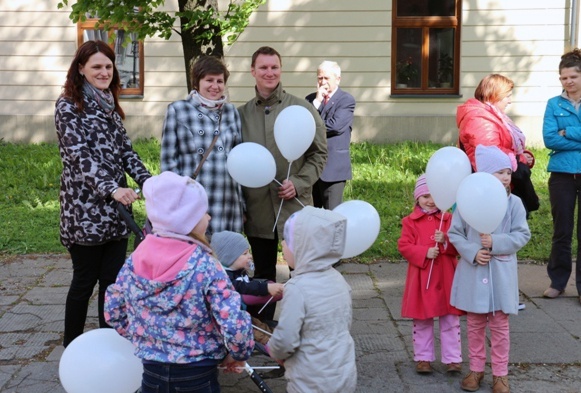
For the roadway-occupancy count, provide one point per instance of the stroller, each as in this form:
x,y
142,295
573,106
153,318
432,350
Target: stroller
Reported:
x,y
139,237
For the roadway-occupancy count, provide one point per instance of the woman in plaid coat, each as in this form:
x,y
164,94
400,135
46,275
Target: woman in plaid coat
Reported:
x,y
189,127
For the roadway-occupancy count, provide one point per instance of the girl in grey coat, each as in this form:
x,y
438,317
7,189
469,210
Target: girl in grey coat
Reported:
x,y
485,283
312,334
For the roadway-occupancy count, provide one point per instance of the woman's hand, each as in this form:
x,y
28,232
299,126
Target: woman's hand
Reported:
x,y
125,196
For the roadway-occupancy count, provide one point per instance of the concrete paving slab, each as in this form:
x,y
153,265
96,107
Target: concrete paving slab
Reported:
x,y
544,353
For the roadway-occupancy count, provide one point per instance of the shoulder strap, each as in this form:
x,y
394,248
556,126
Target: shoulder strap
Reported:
x,y
207,153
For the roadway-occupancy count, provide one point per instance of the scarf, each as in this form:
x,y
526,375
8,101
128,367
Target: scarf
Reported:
x,y
103,97
206,103
429,212
518,137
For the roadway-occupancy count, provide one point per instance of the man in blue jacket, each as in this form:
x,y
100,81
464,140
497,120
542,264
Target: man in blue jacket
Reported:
x,y
336,108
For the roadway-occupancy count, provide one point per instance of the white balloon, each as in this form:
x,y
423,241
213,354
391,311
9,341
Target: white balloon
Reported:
x,y
482,201
446,169
362,226
251,165
294,131
100,361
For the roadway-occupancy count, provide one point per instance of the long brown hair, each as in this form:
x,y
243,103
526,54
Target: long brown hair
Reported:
x,y
73,87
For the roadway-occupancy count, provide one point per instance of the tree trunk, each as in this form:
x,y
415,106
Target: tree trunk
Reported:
x,y
192,46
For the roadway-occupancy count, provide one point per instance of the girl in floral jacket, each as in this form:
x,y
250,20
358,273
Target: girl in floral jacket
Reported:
x,y
173,299
431,265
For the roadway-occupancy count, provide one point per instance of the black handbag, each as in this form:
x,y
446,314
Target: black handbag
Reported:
x,y
523,187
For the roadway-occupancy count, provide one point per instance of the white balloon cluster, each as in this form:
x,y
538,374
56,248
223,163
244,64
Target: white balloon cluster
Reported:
x,y
252,165
480,197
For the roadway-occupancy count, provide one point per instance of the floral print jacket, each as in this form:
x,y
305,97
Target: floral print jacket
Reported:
x,y
175,302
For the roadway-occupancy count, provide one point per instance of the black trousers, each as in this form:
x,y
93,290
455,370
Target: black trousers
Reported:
x,y
91,264
328,195
565,195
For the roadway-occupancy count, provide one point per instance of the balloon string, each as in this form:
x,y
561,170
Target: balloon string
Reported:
x,y
282,200
491,285
432,264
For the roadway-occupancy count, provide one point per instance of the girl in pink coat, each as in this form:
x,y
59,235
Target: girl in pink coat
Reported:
x,y
431,266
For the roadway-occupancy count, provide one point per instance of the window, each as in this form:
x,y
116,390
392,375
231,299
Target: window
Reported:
x,y
128,58
425,47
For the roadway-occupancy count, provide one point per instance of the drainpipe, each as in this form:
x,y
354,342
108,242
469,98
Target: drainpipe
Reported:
x,y
573,41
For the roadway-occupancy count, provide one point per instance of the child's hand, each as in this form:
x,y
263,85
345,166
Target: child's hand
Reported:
x,y
482,257
275,288
231,365
439,236
486,240
433,253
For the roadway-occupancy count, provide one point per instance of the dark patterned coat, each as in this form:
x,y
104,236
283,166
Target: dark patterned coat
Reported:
x,y
96,153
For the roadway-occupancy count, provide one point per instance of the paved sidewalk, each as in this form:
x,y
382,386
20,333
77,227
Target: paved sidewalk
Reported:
x,y
545,351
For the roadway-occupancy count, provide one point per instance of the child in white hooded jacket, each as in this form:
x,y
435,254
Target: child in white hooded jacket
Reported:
x,y
312,335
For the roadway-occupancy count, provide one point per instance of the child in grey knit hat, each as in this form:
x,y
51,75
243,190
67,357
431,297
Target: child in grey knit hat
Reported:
x,y
233,252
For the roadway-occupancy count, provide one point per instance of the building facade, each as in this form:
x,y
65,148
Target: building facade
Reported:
x,y
522,39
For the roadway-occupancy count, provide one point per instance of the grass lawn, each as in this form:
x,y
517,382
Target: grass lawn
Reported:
x,y
383,175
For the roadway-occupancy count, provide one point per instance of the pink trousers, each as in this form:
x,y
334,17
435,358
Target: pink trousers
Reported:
x,y
499,341
450,343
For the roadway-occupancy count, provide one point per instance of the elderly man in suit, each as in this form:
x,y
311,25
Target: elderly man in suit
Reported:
x,y
336,108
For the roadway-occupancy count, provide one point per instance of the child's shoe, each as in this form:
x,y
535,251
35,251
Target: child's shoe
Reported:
x,y
471,382
454,368
500,384
423,367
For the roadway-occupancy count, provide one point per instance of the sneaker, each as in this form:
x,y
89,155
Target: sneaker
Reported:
x,y
454,368
423,367
552,293
500,384
521,306
471,382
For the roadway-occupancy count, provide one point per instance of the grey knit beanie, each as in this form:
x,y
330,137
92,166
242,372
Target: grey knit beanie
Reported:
x,y
228,246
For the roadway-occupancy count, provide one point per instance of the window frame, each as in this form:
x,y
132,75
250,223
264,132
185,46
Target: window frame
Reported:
x,y
89,24
426,23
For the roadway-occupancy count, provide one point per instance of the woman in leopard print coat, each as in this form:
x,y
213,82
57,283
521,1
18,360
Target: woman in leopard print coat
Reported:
x,y
96,153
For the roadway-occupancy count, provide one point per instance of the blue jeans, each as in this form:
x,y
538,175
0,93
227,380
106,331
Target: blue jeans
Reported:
x,y
174,378
565,195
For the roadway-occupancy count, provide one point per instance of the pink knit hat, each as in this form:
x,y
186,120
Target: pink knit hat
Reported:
x,y
491,159
421,187
174,203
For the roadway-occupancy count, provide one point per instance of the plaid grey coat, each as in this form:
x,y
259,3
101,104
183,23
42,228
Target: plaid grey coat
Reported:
x,y
188,130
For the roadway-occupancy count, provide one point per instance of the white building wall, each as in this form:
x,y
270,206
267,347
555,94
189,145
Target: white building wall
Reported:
x,y
522,39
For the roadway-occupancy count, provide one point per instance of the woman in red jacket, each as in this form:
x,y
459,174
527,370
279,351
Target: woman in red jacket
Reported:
x,y
482,121
431,266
